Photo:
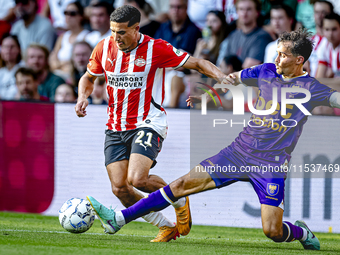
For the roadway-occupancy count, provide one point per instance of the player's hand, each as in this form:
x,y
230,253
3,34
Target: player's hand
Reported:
x,y
81,107
194,99
230,80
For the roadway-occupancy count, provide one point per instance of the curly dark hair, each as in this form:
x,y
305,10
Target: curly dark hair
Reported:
x,y
126,13
302,43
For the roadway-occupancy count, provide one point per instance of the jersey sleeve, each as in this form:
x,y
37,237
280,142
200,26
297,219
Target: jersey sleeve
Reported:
x,y
169,56
320,93
94,67
249,76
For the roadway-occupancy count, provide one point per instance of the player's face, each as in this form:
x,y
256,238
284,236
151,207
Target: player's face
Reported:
x,y
280,21
27,86
320,11
286,63
331,30
125,37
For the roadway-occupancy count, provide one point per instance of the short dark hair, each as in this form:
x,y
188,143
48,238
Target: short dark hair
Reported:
x,y
100,3
234,61
333,16
302,43
126,13
288,10
28,72
256,2
79,7
325,2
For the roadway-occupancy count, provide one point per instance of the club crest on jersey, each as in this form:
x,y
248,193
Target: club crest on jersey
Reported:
x,y
272,189
140,62
177,52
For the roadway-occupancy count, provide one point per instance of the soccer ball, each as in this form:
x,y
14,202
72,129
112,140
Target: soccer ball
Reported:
x,y
76,215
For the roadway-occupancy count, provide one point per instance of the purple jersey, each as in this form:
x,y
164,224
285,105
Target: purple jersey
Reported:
x,y
268,139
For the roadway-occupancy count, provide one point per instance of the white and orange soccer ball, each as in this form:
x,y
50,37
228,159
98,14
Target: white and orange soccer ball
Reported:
x,y
76,215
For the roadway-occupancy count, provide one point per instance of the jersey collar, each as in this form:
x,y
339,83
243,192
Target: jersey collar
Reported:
x,y
284,78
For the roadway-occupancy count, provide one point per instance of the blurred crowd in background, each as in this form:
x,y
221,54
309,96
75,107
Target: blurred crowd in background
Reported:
x,y
46,44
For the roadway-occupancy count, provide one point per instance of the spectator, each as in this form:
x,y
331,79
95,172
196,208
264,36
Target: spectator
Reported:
x,y
281,20
267,5
179,30
55,10
329,60
65,93
37,59
199,9
31,27
147,26
80,57
218,28
99,92
329,54
100,21
9,64
7,16
60,58
305,15
249,41
27,83
229,10
321,9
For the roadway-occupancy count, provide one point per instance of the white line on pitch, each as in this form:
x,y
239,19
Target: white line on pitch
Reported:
x,y
198,238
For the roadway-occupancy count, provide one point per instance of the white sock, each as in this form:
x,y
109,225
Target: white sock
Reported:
x,y
120,219
305,234
179,203
158,219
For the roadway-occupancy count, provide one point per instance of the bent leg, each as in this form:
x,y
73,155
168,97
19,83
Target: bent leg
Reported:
x,y
195,181
272,222
138,174
277,230
162,198
117,172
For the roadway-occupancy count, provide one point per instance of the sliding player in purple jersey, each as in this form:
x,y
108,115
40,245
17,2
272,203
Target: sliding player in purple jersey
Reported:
x,y
267,141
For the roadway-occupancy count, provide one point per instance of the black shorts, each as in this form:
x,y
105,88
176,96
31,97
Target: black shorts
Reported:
x,y
119,145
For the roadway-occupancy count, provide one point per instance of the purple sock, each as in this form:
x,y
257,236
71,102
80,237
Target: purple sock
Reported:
x,y
154,202
291,232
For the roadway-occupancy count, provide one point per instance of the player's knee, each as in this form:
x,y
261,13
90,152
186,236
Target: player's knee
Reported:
x,y
138,183
273,232
120,190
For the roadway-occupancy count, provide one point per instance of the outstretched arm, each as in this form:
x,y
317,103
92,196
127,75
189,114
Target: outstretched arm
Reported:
x,y
209,69
85,89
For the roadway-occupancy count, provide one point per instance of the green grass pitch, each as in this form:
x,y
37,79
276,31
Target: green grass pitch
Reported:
x,y
37,234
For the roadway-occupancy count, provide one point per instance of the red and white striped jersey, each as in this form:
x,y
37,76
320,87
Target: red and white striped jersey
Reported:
x,y
330,57
135,81
319,44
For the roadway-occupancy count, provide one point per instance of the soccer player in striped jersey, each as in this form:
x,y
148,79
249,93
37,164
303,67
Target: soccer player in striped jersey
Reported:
x,y
133,65
264,142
